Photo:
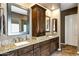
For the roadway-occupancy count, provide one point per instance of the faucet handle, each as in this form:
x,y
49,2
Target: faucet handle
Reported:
x,y
21,39
16,39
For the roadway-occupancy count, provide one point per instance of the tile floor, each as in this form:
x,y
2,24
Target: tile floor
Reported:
x,y
67,50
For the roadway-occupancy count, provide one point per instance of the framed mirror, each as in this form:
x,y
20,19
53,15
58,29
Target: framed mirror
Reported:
x,y
54,25
18,19
47,24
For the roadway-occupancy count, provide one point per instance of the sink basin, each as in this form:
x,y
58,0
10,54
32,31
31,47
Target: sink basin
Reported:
x,y
21,43
50,36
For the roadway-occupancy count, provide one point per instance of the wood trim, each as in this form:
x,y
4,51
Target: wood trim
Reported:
x,y
38,6
49,23
63,14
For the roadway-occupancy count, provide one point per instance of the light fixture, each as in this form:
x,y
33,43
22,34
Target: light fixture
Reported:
x,y
53,7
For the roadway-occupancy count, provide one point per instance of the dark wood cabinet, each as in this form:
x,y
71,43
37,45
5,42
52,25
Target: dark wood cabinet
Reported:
x,y
25,51
36,45
38,20
11,53
54,44
45,52
37,49
30,53
37,52
44,48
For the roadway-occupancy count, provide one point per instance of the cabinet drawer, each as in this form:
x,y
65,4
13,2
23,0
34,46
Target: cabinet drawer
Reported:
x,y
30,53
37,52
25,50
45,42
52,48
52,40
36,45
55,39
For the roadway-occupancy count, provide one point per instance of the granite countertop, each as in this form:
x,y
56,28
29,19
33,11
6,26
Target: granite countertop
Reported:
x,y
32,41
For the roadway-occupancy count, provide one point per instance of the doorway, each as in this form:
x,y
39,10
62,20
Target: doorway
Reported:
x,y
71,30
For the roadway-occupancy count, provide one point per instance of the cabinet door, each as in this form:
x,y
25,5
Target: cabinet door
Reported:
x,y
37,52
36,49
54,45
45,52
45,48
56,42
24,50
42,22
36,45
30,53
34,22
38,20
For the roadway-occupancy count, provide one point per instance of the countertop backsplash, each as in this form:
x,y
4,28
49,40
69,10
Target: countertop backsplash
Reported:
x,y
5,40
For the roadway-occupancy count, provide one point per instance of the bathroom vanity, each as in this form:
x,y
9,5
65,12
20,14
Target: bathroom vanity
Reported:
x,y
44,47
18,21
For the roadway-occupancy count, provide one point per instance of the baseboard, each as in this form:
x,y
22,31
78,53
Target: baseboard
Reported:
x,y
59,49
64,44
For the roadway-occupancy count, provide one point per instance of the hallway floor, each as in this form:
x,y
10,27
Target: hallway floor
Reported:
x,y
67,50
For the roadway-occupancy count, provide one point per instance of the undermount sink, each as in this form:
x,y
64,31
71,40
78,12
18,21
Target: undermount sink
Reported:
x,y
50,36
21,43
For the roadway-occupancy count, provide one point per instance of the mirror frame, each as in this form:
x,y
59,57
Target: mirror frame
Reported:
x,y
9,20
47,29
54,19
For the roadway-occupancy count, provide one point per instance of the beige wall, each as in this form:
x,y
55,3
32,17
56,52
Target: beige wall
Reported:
x,y
48,12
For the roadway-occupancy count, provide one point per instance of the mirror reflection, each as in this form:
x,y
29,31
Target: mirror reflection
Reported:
x,y
18,22
17,19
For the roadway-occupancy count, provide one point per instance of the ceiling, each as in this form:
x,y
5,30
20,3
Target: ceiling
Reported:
x,y
50,6
65,6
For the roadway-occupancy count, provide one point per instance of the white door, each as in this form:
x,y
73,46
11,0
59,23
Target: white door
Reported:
x,y
71,30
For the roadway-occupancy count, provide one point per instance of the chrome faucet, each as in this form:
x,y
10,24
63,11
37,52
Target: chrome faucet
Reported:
x,y
20,39
17,39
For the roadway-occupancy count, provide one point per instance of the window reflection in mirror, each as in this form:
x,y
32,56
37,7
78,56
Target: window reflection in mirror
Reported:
x,y
47,24
18,19
18,22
